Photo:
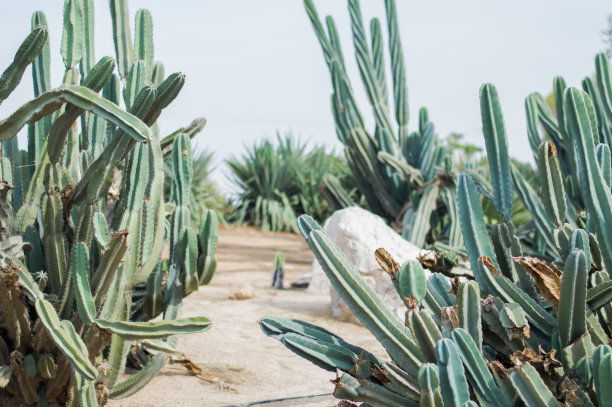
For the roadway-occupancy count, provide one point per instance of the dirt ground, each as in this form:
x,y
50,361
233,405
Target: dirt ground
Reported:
x,y
240,364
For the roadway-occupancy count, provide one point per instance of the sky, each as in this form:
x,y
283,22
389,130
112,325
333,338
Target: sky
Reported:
x,y
255,67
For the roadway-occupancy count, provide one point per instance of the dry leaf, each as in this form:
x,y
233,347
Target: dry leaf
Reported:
x,y
498,369
387,262
488,263
449,316
547,277
455,283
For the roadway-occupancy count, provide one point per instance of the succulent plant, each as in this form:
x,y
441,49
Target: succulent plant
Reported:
x,y
278,181
531,329
406,177
279,271
83,218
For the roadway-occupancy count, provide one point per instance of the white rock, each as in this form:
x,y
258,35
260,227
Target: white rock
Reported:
x,y
358,233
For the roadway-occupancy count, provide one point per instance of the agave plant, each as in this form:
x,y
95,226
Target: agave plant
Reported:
x,y
83,218
525,331
279,182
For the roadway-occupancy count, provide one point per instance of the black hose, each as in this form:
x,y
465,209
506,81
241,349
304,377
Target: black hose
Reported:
x,y
254,403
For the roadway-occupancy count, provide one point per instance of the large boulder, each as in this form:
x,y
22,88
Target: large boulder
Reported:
x,y
358,233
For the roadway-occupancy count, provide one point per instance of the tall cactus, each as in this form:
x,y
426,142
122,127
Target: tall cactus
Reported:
x,y
392,166
86,202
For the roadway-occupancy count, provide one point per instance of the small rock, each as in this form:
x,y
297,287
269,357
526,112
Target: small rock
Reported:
x,y
244,292
302,282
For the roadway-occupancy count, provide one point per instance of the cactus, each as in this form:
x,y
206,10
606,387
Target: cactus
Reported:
x,y
533,327
83,218
402,175
278,273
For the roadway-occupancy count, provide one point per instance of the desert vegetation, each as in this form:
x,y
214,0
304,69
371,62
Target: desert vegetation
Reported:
x,y
107,227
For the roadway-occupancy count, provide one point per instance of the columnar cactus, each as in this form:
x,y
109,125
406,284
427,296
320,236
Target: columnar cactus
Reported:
x,y
406,177
534,328
83,218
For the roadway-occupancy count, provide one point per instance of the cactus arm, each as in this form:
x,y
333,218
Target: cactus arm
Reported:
x,y
362,300
604,82
429,381
468,310
602,374
129,330
533,133
599,296
479,375
553,193
602,121
531,389
72,34
122,36
453,382
328,49
99,75
188,254
209,232
327,356
53,242
475,233
411,281
89,56
41,73
425,332
533,204
79,265
572,305
422,224
80,96
139,380
101,232
108,267
368,75
86,390
136,80
65,339
153,303
496,142
595,192
449,196
143,40
398,69
27,52
604,160
378,60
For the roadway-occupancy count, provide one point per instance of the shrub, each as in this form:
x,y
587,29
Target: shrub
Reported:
x,y
278,182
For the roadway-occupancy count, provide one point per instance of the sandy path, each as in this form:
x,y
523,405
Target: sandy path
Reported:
x,y
242,364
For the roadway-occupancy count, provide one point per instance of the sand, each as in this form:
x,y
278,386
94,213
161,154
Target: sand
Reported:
x,y
240,364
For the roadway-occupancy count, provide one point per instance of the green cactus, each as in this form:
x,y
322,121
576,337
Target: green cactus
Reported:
x,y
398,172
86,201
524,332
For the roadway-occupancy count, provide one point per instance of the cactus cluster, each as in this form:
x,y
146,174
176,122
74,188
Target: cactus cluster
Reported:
x,y
534,327
83,217
404,176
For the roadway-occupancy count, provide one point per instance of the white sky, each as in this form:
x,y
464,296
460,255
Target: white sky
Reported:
x,y
254,67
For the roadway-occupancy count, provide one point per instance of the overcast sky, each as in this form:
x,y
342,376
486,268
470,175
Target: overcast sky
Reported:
x,y
255,67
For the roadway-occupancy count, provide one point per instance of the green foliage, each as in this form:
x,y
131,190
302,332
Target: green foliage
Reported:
x,y
83,219
276,183
527,331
